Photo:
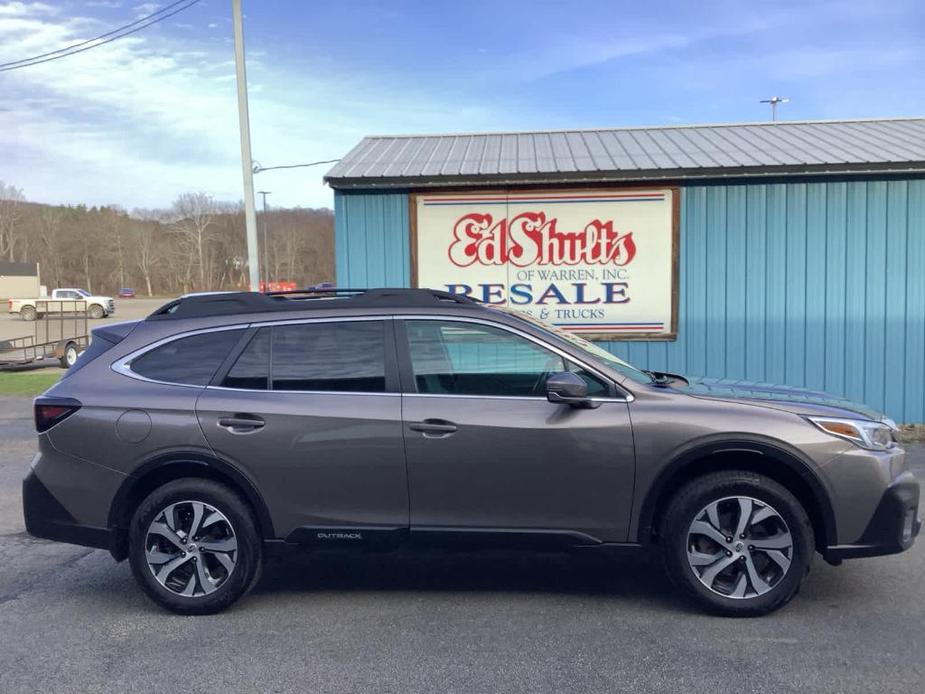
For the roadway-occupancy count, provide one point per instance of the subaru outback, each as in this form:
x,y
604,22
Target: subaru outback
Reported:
x,y
225,427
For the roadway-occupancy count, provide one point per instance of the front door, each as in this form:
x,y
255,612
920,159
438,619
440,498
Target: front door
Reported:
x,y
311,412
487,451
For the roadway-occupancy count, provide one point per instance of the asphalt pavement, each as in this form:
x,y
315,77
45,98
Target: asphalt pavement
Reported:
x,y
72,620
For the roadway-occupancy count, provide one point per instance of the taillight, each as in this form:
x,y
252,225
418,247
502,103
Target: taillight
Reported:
x,y
49,411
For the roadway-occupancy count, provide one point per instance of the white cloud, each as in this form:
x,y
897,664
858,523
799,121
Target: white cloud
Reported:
x,y
139,120
22,9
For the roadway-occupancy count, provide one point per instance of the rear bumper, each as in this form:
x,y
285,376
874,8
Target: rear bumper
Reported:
x,y
893,527
46,518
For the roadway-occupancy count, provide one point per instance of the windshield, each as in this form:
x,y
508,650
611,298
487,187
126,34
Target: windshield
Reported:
x,y
596,353
83,292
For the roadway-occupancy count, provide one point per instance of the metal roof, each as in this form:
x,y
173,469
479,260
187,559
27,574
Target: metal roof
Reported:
x,y
646,153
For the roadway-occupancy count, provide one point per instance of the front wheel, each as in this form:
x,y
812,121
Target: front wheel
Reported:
x,y
194,546
96,312
737,542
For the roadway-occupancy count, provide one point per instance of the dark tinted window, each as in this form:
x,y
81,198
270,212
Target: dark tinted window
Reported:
x,y
470,359
252,368
192,360
347,356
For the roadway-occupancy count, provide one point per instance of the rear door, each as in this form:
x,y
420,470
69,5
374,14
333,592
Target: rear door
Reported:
x,y
311,411
489,454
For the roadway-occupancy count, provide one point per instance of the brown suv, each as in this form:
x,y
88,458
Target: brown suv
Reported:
x,y
226,426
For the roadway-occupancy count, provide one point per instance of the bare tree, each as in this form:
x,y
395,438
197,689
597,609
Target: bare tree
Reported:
x,y
11,199
104,248
193,213
49,225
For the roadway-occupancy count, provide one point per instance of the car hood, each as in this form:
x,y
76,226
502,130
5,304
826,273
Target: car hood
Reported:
x,y
801,401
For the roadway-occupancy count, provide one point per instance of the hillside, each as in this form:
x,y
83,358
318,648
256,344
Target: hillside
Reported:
x,y
196,245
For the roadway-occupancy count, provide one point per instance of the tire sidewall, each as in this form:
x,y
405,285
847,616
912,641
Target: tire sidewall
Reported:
x,y
97,312
693,498
239,516
70,349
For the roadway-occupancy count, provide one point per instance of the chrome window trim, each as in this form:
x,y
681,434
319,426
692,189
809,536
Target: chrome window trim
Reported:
x,y
123,366
539,398
304,392
628,397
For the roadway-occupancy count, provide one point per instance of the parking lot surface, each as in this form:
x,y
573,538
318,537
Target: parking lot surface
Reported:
x,y
12,326
71,619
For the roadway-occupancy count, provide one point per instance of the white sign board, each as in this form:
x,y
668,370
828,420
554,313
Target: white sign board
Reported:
x,y
601,263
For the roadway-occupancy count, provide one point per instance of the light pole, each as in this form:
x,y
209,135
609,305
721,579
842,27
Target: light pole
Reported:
x,y
774,101
250,213
266,245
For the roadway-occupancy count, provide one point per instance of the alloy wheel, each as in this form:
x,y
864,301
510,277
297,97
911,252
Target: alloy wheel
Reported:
x,y
739,547
191,548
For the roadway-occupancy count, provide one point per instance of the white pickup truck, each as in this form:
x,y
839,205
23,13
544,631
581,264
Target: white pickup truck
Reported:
x,y
65,300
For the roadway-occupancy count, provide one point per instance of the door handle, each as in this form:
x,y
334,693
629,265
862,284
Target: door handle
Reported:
x,y
433,428
241,424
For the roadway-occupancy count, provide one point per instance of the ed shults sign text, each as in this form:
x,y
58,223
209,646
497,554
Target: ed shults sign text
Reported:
x,y
598,262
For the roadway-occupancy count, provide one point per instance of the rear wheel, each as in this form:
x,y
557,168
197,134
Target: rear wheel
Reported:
x,y
737,542
194,546
28,313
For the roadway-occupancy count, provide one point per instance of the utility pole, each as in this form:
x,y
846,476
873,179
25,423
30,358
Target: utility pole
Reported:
x,y
247,164
266,245
774,101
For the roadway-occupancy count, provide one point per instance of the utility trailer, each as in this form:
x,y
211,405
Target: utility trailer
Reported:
x,y
62,336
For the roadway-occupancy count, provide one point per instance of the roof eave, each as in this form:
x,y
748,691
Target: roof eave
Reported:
x,y
652,175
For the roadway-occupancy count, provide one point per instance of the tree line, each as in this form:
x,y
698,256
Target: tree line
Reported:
x,y
198,244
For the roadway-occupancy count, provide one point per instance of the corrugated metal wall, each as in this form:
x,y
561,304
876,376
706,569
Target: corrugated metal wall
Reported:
x,y
809,284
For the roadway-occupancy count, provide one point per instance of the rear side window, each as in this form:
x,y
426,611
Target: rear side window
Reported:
x,y
189,360
345,357
251,371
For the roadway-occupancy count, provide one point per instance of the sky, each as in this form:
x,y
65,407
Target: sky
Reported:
x,y
143,119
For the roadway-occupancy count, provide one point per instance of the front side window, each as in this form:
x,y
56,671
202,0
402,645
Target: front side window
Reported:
x,y
455,358
189,360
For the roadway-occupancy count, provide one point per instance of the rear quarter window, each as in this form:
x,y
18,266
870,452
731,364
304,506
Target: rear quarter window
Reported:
x,y
189,360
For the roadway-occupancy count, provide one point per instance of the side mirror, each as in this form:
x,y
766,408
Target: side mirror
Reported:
x,y
570,389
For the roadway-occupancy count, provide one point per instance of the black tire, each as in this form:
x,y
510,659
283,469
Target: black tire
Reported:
x,y
96,312
70,355
685,507
248,557
28,313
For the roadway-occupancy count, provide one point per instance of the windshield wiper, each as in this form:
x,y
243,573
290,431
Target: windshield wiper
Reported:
x,y
657,377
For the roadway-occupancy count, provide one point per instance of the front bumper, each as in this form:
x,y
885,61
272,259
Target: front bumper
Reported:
x,y
46,518
893,527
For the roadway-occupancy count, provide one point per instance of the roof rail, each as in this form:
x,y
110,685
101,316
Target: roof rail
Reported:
x,y
230,303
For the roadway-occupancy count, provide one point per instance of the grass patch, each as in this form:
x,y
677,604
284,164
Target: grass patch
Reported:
x,y
28,383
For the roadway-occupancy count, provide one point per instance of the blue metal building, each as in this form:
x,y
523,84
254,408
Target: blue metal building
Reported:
x,y
802,244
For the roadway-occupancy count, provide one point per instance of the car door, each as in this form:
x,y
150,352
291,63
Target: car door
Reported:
x,y
488,453
311,411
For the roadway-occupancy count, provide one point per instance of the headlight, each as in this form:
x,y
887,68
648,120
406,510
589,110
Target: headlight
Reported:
x,y
874,436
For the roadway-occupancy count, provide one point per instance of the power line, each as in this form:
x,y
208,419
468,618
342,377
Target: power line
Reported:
x,y
258,168
119,33
97,38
